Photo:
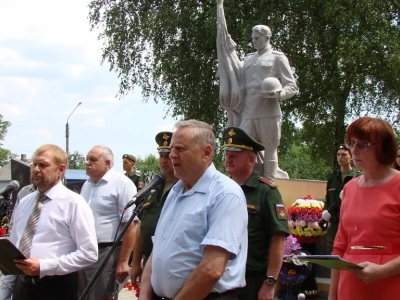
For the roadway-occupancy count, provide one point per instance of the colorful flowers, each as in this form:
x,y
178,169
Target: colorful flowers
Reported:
x,y
303,216
4,226
291,246
293,271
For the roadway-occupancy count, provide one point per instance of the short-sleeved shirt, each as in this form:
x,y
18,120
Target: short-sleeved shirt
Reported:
x,y
136,178
212,212
264,203
107,200
149,216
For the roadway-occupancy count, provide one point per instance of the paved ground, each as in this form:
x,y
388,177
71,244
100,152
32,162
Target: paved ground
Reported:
x,y
130,295
125,294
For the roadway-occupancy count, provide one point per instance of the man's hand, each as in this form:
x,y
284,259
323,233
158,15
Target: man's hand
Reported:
x,y
270,95
267,292
122,271
29,266
136,271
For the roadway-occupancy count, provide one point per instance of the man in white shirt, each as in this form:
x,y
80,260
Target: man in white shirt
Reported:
x,y
107,193
54,228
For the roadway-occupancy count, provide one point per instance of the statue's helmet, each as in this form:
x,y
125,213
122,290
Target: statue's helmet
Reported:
x,y
271,84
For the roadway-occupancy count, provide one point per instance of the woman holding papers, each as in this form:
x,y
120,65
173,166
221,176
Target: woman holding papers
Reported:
x,y
369,229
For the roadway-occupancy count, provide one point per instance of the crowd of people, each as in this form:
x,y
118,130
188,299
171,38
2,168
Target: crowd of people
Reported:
x,y
201,234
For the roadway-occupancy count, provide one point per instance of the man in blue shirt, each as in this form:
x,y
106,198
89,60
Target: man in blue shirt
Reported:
x,y
200,244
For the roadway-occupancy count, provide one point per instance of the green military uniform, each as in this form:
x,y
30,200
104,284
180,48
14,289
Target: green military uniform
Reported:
x,y
333,189
266,217
267,214
154,203
149,216
334,186
135,176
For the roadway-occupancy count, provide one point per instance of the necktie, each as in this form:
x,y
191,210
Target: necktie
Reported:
x,y
26,240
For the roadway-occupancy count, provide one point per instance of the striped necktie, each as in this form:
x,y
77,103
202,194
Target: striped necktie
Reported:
x,y
25,243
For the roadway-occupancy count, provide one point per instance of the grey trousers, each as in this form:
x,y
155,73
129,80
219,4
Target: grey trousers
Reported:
x,y
106,283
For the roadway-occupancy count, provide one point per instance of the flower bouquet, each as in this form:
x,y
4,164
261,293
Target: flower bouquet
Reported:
x,y
303,216
293,271
4,224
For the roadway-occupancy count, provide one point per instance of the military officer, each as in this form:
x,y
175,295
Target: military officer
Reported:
x,y
335,184
128,164
268,226
152,206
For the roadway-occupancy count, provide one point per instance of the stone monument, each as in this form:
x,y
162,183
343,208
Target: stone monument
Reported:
x,y
251,90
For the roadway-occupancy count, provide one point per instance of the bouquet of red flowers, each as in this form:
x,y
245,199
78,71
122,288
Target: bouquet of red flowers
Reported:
x,y
4,226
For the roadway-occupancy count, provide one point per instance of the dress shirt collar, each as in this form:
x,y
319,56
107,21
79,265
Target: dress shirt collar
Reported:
x,y
106,177
202,185
32,188
54,191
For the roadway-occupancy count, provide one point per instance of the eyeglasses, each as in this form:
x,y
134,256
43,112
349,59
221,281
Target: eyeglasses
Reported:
x,y
361,146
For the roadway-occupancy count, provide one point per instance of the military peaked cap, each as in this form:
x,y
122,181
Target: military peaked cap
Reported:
x,y
163,140
236,139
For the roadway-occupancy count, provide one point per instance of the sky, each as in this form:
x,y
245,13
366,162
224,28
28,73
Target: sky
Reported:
x,y
49,62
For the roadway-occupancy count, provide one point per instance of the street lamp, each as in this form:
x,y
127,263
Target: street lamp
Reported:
x,y
67,130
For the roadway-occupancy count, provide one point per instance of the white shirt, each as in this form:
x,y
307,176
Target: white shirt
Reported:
x,y
107,199
65,238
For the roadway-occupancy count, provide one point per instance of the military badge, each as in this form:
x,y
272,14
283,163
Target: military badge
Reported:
x,y
281,212
232,132
253,207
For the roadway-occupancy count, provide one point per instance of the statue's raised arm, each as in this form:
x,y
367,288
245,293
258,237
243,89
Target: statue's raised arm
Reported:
x,y
229,70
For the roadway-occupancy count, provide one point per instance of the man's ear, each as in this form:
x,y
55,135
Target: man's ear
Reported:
x,y
253,158
108,162
62,168
207,151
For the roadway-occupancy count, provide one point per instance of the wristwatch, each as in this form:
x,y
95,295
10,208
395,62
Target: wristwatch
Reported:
x,y
270,280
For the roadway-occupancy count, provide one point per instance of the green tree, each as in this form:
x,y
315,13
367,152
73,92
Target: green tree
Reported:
x,y
5,154
76,161
301,163
148,167
344,54
296,156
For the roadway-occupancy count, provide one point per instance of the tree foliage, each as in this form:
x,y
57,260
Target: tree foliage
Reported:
x,y
76,161
345,54
301,163
298,159
148,167
5,154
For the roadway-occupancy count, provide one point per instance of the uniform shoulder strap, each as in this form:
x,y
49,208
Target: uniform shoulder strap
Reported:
x,y
268,182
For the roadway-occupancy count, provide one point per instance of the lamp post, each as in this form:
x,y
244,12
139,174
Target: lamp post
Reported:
x,y
67,130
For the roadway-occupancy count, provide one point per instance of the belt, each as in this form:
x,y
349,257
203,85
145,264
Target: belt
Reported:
x,y
374,248
105,245
32,280
210,296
